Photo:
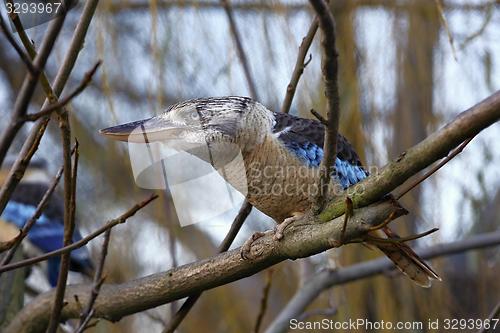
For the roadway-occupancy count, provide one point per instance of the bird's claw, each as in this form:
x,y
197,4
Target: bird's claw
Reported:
x,y
280,228
246,248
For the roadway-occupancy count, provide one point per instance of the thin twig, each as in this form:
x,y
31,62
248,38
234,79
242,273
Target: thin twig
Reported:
x,y
85,323
36,215
319,117
179,316
28,87
330,73
239,47
17,170
110,224
64,101
96,285
442,16
435,168
264,301
24,57
70,173
300,65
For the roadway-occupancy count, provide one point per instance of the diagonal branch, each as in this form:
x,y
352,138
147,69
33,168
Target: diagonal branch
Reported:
x,y
46,111
24,57
239,48
96,285
118,300
300,65
82,242
435,147
36,215
29,85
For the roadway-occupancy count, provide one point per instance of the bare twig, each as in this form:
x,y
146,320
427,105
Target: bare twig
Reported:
x,y
239,47
85,323
70,173
24,57
330,278
263,301
319,117
64,101
110,224
435,168
17,170
96,285
29,85
238,221
32,142
439,6
36,215
300,65
330,73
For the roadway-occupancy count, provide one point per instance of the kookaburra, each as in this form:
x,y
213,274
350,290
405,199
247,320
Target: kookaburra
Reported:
x,y
47,233
271,144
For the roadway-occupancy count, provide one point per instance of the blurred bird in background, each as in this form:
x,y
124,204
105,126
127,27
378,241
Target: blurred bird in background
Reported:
x,y
280,151
47,233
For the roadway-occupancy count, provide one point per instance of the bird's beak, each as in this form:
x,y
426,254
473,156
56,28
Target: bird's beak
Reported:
x,y
143,131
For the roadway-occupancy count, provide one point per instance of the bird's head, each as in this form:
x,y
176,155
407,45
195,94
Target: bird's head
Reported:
x,y
217,120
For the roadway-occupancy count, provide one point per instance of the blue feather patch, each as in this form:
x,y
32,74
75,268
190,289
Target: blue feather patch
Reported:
x,y
311,155
46,234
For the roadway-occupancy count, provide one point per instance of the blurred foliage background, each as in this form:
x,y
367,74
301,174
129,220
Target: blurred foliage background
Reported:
x,y
406,68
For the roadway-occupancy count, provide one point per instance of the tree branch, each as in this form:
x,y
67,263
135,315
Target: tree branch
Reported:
x,y
118,300
239,48
110,224
300,65
436,146
64,101
238,221
330,77
24,57
330,278
29,85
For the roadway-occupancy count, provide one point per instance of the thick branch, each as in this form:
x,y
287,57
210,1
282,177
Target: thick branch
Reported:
x,y
330,278
420,156
118,300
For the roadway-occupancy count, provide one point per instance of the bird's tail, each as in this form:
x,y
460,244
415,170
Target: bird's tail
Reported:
x,y
407,261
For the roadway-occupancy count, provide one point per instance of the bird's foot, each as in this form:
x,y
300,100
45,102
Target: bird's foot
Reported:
x,y
246,248
280,228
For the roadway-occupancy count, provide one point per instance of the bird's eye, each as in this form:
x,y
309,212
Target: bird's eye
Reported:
x,y
195,116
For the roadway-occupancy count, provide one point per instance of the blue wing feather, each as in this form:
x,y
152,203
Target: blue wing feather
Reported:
x,y
47,234
304,137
